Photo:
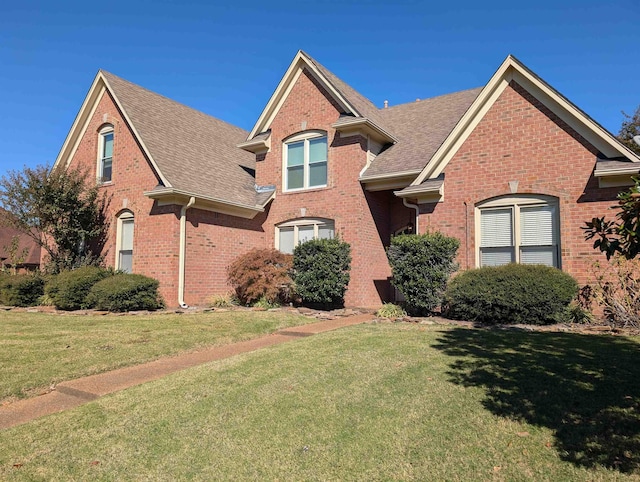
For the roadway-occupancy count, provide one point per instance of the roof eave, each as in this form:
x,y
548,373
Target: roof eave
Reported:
x,y
208,203
365,126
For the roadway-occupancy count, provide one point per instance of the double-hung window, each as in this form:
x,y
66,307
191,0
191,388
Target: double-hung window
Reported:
x,y
124,259
292,233
105,154
522,229
305,161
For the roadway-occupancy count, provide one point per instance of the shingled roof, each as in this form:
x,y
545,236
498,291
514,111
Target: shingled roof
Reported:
x,y
195,153
421,127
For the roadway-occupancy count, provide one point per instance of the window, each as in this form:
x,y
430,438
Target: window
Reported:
x,y
124,260
292,233
305,161
105,154
522,229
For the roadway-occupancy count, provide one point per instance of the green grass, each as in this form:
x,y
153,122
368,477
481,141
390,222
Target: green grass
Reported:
x,y
37,349
372,402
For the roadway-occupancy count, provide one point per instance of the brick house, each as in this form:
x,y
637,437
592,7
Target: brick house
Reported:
x,y
512,169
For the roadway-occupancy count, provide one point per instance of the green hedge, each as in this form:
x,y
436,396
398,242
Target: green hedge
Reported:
x,y
21,290
510,294
125,292
321,271
69,290
421,266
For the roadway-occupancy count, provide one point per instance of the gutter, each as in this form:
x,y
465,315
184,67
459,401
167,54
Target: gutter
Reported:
x,y
183,251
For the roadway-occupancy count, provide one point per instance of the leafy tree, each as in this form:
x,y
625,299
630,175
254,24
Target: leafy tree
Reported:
x,y
629,129
59,210
620,235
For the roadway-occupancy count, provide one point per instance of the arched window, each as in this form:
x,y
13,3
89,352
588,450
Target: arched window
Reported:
x,y
305,161
124,241
292,233
105,154
518,229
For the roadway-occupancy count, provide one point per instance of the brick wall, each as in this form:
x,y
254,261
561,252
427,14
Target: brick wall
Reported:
x,y
360,219
519,139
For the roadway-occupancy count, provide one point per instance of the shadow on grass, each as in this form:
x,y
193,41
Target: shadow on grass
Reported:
x,y
584,387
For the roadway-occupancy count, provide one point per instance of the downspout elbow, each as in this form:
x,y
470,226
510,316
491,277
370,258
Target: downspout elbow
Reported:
x,y
183,251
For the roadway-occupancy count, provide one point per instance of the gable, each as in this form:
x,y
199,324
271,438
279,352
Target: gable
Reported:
x,y
512,70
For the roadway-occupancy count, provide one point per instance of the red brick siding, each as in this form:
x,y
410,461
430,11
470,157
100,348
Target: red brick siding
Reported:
x,y
343,200
214,240
519,139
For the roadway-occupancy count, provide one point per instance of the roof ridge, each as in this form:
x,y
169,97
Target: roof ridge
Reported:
x,y
108,74
427,99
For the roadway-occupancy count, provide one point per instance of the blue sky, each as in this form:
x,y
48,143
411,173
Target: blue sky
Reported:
x,y
226,59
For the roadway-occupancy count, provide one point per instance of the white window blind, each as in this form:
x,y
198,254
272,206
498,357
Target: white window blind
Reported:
x,y
538,235
286,240
496,241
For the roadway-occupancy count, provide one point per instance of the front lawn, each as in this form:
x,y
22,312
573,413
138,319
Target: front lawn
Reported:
x,y
38,350
371,402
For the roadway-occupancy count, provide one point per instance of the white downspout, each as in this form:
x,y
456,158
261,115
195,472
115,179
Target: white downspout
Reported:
x,y
183,251
413,206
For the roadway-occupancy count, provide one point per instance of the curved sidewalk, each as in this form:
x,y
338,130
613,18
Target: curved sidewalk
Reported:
x,y
77,392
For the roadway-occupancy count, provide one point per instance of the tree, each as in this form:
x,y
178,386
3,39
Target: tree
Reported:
x,y
59,210
620,235
629,129
15,255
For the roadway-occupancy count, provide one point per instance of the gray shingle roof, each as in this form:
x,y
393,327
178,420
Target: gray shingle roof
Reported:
x,y
364,106
421,127
194,151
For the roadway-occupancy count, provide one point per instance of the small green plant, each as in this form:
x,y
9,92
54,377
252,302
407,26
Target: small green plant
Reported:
x,y
390,310
261,273
421,266
69,289
21,290
321,271
125,292
266,304
222,301
510,294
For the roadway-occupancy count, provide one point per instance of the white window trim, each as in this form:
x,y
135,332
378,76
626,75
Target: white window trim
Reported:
x,y
108,129
125,216
303,222
306,137
515,203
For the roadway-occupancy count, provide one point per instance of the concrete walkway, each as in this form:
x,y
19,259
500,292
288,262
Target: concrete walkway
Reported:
x,y
77,392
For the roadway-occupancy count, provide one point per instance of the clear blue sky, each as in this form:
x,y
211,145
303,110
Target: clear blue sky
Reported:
x,y
226,58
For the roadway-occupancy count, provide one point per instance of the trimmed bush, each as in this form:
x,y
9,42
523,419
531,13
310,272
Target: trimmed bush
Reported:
x,y
261,274
69,290
21,290
125,292
321,271
510,294
421,266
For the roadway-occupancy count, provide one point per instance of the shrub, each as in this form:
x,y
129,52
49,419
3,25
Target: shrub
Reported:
x,y
125,292
21,290
261,273
421,266
617,291
68,290
222,301
321,271
514,293
389,310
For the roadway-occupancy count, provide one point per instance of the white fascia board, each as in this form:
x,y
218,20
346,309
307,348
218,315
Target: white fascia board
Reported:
x,y
510,69
136,134
79,126
207,203
285,86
